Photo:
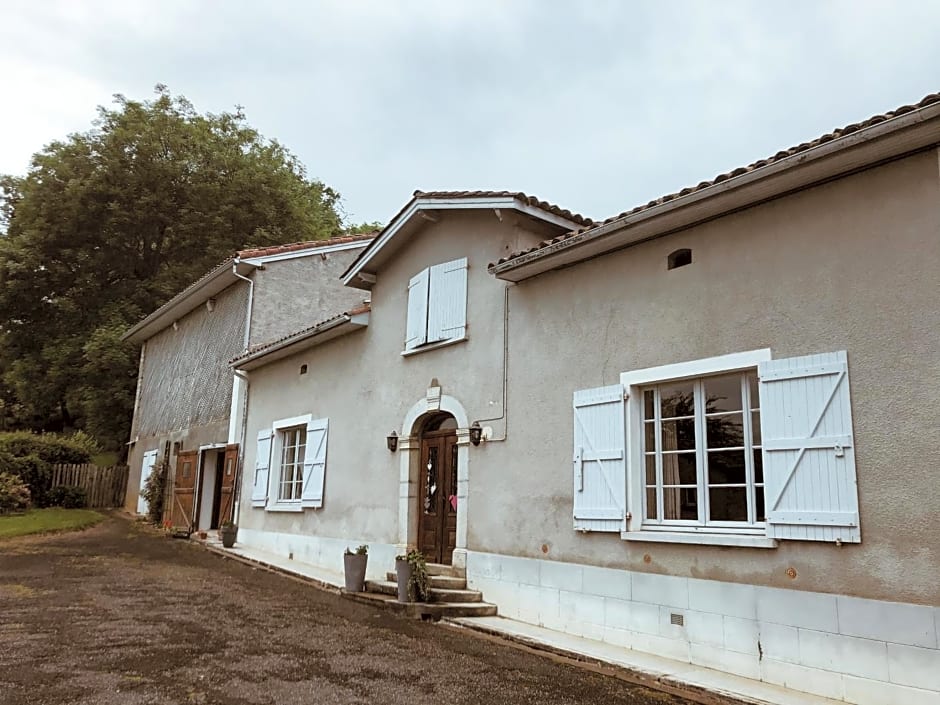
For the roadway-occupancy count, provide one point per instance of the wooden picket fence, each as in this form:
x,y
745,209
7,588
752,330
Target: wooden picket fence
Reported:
x,y
104,486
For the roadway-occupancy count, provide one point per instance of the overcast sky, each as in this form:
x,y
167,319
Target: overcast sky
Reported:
x,y
596,105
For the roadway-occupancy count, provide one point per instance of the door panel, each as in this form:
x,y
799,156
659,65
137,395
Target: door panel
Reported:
x,y
229,472
437,511
184,490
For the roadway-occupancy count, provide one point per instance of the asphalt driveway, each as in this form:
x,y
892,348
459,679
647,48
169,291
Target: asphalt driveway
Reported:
x,y
118,614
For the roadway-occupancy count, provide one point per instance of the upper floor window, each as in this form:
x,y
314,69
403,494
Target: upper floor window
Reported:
x,y
437,305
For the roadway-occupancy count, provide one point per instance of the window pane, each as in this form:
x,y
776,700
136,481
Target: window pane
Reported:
x,y
758,466
753,385
678,435
649,400
680,503
761,512
728,503
677,400
723,393
755,427
650,469
651,503
649,436
725,431
301,452
679,469
726,467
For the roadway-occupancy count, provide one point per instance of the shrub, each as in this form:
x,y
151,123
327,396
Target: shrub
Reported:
x,y
68,497
32,471
154,493
48,447
14,494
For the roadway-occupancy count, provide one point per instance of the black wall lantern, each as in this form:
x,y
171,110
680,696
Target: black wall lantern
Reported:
x,y
392,441
476,433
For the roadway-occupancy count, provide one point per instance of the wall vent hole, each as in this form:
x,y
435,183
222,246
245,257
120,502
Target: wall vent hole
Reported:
x,y
303,369
679,258
677,619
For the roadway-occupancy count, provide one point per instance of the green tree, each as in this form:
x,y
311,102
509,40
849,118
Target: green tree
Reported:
x,y
110,223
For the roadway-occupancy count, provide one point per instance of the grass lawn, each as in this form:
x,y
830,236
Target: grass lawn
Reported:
x,y
41,521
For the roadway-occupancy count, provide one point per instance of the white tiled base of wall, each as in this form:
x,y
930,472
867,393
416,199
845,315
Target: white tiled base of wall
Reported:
x,y
862,651
326,553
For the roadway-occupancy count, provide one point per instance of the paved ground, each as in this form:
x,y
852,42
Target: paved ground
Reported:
x,y
117,614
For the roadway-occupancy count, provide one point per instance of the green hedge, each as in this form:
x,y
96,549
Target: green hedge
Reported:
x,y
47,447
33,471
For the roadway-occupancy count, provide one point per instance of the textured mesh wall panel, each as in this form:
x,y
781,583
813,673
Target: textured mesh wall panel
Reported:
x,y
186,378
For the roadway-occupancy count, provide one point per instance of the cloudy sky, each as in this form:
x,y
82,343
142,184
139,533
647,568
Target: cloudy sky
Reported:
x,y
597,105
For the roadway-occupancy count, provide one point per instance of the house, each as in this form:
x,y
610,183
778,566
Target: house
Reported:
x,y
704,428
189,407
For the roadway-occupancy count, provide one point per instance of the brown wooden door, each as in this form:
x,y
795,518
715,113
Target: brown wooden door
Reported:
x,y
184,490
437,497
229,470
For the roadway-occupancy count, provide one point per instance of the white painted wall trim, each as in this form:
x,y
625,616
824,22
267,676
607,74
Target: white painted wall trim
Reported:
x,y
292,421
359,244
433,346
695,368
700,538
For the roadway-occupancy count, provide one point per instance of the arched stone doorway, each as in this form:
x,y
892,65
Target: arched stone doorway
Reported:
x,y
437,488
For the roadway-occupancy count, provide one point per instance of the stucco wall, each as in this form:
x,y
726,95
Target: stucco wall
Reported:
x,y
294,293
363,384
848,265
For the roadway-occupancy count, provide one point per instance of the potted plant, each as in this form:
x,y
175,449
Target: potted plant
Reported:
x,y
228,531
412,572
355,564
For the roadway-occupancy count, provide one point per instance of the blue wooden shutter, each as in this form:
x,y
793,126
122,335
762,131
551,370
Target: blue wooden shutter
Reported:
x,y
259,491
311,493
599,460
417,326
447,301
808,449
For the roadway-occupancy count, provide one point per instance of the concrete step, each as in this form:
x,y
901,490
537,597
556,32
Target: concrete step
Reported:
x,y
388,587
441,569
421,610
447,582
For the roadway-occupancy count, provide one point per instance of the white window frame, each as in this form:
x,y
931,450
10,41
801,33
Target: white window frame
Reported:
x,y
280,428
430,273
633,383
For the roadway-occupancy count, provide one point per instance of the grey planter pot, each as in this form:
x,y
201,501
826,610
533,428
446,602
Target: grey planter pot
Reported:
x,y
228,537
355,566
403,569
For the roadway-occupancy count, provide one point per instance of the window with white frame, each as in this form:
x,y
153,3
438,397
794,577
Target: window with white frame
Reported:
x,y
739,449
701,453
437,305
293,445
290,464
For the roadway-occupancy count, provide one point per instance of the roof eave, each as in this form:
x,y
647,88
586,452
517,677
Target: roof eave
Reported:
x,y
318,335
360,276
875,144
188,300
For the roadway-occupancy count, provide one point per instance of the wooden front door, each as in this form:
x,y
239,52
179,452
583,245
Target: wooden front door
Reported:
x,y
184,490
229,470
437,497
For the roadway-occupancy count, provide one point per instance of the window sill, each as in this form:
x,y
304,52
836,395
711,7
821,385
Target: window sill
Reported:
x,y
284,508
433,346
700,539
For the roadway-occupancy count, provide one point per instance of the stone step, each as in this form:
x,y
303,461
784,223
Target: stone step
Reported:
x,y
439,581
441,569
428,611
388,587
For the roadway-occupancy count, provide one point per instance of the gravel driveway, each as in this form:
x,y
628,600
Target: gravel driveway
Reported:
x,y
118,614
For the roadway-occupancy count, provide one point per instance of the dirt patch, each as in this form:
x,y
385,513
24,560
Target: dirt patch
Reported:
x,y
118,615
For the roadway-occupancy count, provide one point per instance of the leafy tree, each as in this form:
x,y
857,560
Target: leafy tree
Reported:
x,y
364,228
110,223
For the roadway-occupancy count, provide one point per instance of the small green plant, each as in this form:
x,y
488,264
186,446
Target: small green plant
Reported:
x,y
419,585
154,494
227,525
14,494
68,497
362,550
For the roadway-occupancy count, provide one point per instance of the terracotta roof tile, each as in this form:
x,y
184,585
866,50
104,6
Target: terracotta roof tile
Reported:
x,y
294,246
760,163
531,200
254,349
